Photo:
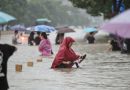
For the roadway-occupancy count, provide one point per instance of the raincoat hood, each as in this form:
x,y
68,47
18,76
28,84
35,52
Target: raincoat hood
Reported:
x,y
67,41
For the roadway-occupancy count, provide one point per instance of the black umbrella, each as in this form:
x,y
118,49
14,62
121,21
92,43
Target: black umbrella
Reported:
x,y
64,30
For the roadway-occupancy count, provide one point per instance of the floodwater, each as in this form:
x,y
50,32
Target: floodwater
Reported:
x,y
101,70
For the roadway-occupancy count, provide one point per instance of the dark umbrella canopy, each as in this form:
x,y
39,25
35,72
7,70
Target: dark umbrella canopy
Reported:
x,y
64,30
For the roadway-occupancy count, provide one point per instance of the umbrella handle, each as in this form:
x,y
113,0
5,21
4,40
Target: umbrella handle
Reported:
x,y
77,65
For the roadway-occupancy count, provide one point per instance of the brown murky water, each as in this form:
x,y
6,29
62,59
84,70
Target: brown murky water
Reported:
x,y
102,70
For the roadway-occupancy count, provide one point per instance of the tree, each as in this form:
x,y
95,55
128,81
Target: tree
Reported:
x,y
16,8
27,11
96,7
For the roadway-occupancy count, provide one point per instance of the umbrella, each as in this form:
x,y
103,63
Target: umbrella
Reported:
x,y
5,18
119,25
64,30
43,20
90,29
18,27
30,28
44,28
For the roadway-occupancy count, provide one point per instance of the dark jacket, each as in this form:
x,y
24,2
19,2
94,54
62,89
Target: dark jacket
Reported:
x,y
6,51
37,40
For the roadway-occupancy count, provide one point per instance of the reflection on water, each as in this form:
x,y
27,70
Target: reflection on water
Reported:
x,y
102,70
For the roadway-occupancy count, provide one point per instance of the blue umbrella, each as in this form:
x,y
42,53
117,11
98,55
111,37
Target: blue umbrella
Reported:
x,y
18,28
44,28
43,20
90,29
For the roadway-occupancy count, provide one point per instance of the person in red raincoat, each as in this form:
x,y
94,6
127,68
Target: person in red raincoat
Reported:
x,y
65,56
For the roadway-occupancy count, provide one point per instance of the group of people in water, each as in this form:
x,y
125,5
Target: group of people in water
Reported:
x,y
65,57
116,43
41,40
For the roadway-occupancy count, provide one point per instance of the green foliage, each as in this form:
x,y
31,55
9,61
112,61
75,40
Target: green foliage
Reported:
x,y
14,7
96,7
27,11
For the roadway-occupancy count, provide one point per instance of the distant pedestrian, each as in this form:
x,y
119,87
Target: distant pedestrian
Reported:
x,y
122,45
37,39
15,39
114,46
31,39
90,38
59,38
127,41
